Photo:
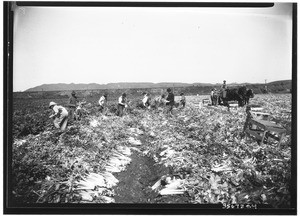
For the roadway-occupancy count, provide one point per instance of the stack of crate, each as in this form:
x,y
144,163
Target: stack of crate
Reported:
x,y
258,125
233,104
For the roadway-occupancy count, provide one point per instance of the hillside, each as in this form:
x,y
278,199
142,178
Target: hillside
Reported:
x,y
284,86
276,86
120,85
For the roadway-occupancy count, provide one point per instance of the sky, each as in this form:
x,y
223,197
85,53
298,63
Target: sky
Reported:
x,y
123,44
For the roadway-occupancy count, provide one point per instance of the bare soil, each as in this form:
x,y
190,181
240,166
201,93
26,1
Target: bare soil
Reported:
x,y
136,181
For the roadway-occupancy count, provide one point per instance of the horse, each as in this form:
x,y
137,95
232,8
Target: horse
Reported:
x,y
236,94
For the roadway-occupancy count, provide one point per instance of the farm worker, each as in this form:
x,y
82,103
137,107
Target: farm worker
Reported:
x,y
160,100
102,102
224,86
182,100
215,96
170,101
223,89
146,100
60,116
121,104
80,110
212,96
72,105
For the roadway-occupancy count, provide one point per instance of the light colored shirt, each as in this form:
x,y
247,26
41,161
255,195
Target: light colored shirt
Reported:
x,y
145,100
122,100
102,101
160,100
60,110
157,99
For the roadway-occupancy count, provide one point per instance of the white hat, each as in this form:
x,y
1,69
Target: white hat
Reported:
x,y
52,104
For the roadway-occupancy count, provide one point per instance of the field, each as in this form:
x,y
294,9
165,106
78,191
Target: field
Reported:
x,y
201,152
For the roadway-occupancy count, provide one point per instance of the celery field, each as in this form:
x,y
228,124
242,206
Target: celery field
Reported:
x,y
197,156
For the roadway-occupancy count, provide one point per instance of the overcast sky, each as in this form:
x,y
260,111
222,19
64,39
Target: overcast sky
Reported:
x,y
103,45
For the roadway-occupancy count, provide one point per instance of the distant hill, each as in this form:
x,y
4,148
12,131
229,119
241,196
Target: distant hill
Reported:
x,y
116,89
281,82
280,86
277,86
120,85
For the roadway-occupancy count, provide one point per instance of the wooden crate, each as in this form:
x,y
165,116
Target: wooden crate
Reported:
x,y
260,115
264,130
205,102
233,105
255,108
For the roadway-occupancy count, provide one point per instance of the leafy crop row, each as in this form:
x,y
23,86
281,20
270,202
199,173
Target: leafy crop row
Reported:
x,y
205,147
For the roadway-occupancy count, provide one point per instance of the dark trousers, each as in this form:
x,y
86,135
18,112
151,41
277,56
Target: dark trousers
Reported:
x,y
120,110
71,113
183,104
101,108
169,109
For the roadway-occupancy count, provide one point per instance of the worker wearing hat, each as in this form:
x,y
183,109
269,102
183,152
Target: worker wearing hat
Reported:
x,y
214,96
72,105
170,101
224,84
146,100
223,89
60,116
102,102
80,110
121,104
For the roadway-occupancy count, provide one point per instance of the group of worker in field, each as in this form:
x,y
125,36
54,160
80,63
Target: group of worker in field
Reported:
x,y
61,115
148,103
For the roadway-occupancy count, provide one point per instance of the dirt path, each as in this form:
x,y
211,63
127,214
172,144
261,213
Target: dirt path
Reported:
x,y
136,181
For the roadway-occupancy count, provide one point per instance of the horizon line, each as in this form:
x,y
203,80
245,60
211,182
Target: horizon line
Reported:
x,y
232,83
